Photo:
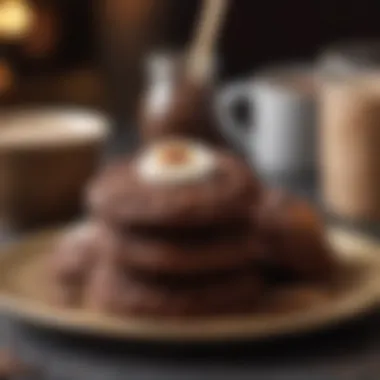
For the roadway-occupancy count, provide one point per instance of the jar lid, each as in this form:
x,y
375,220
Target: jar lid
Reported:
x,y
349,57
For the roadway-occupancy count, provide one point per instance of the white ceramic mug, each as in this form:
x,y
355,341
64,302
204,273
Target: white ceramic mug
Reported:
x,y
280,136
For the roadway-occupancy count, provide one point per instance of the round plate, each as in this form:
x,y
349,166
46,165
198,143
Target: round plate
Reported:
x,y
24,291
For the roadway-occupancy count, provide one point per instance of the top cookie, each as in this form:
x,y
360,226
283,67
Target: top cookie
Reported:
x,y
175,182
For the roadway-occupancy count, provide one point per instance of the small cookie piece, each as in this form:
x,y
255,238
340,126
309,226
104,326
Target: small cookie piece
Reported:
x,y
74,257
174,183
293,235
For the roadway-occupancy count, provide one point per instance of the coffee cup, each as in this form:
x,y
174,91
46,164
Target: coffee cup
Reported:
x,y
46,157
279,136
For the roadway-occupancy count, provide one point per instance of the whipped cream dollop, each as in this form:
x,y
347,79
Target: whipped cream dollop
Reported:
x,y
176,161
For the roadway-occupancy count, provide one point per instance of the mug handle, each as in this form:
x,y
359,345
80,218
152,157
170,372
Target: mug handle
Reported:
x,y
229,97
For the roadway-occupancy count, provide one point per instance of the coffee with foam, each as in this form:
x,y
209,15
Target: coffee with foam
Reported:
x,y
41,128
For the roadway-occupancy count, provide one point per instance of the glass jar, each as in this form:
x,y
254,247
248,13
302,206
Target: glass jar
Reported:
x,y
162,73
349,146
175,105
350,56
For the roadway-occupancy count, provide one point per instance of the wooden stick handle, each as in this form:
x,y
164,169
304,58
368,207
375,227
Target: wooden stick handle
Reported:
x,y
207,32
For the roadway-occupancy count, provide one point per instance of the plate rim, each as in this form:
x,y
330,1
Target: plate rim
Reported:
x,y
212,329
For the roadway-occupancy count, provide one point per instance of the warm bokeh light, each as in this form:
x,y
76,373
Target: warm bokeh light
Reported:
x,y
16,17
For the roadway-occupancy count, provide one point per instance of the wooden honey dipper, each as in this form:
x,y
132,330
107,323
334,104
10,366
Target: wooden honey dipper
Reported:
x,y
202,48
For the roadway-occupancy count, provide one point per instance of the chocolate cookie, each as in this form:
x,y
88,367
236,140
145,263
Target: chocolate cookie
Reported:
x,y
80,250
111,291
90,269
293,236
190,255
177,184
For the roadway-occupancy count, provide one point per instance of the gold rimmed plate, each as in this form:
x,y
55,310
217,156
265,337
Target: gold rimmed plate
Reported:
x,y
24,293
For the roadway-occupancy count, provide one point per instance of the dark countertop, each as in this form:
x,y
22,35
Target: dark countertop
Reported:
x,y
350,351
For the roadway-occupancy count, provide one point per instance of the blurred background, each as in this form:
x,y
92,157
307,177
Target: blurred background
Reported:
x,y
78,77
76,52
93,53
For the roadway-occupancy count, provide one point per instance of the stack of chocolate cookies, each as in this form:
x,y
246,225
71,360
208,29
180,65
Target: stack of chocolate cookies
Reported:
x,y
170,234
